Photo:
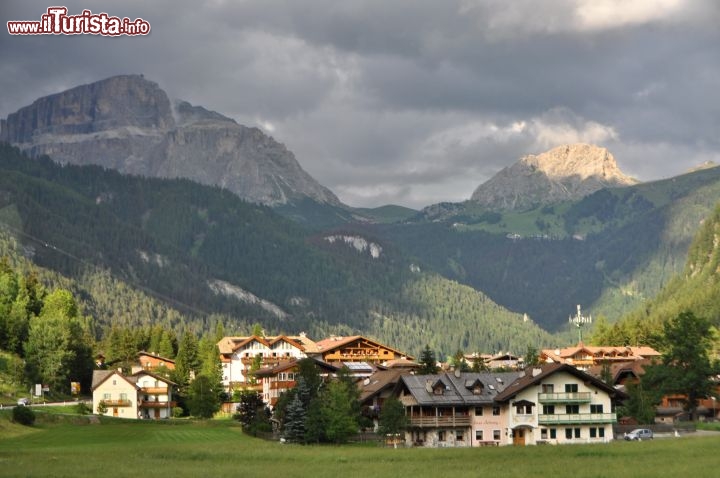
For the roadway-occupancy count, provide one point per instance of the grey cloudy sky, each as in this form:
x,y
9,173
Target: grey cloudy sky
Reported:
x,y
412,102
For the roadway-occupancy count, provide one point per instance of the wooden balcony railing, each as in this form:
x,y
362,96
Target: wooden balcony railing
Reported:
x,y
149,404
117,403
568,397
154,390
437,422
573,418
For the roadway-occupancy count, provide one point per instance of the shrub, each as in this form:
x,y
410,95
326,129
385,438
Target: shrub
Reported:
x,y
23,415
82,409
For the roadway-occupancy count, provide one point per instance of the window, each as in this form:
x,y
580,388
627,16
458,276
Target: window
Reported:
x,y
568,433
548,409
593,432
496,435
543,433
597,432
572,409
459,435
601,432
553,433
106,396
596,408
478,411
524,409
496,411
478,435
548,388
441,435
123,397
577,433
571,388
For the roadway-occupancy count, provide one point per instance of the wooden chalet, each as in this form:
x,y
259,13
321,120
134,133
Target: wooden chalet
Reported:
x,y
357,349
585,356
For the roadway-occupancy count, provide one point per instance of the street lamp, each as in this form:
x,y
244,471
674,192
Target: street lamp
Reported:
x,y
714,399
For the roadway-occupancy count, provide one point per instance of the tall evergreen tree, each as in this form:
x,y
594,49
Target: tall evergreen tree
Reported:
x,y
187,360
294,426
428,362
202,399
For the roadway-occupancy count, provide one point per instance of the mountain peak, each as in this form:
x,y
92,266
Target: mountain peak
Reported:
x,y
129,124
567,172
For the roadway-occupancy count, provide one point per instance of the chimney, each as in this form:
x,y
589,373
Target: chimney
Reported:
x,y
536,372
428,386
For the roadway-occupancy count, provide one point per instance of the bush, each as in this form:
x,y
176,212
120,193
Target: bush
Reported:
x,y
23,415
82,409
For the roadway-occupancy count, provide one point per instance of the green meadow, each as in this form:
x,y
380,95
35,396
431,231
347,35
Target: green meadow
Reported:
x,y
72,447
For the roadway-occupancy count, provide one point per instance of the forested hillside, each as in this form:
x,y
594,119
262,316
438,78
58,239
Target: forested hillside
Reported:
x,y
697,290
199,255
610,251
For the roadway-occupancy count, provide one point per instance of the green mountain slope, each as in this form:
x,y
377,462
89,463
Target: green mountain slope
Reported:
x,y
207,254
696,289
609,252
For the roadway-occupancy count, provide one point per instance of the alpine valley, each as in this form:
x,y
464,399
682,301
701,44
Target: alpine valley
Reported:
x,y
155,211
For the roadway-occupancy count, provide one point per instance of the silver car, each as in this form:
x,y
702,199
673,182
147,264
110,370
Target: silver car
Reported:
x,y
639,434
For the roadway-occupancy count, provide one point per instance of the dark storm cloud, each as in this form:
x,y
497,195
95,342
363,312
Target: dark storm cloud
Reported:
x,y
412,102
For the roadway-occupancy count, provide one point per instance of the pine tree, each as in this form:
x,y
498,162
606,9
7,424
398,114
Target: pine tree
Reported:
x,y
294,427
428,362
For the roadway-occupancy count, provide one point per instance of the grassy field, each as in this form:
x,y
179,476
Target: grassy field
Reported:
x,y
71,447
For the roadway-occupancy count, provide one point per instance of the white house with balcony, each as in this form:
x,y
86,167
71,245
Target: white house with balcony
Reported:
x,y
552,403
237,355
559,404
143,395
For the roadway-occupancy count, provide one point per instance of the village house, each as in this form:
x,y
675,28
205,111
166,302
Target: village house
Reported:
x,y
238,354
378,387
559,404
283,377
143,394
152,361
585,356
552,403
455,409
357,348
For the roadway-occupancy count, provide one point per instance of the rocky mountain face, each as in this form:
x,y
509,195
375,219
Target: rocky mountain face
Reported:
x,y
129,124
567,172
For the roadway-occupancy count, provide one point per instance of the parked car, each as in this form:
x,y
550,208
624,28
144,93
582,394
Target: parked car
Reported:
x,y
23,402
639,434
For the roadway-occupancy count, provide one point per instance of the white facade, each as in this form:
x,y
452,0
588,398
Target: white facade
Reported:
x,y
562,409
139,396
118,395
240,354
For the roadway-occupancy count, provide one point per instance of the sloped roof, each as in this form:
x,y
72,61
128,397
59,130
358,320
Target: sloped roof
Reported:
x,y
457,391
336,342
535,375
290,364
137,375
379,381
228,345
101,376
636,368
155,356
602,352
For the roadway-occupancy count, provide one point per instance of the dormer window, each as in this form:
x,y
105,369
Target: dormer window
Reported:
x,y
476,386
